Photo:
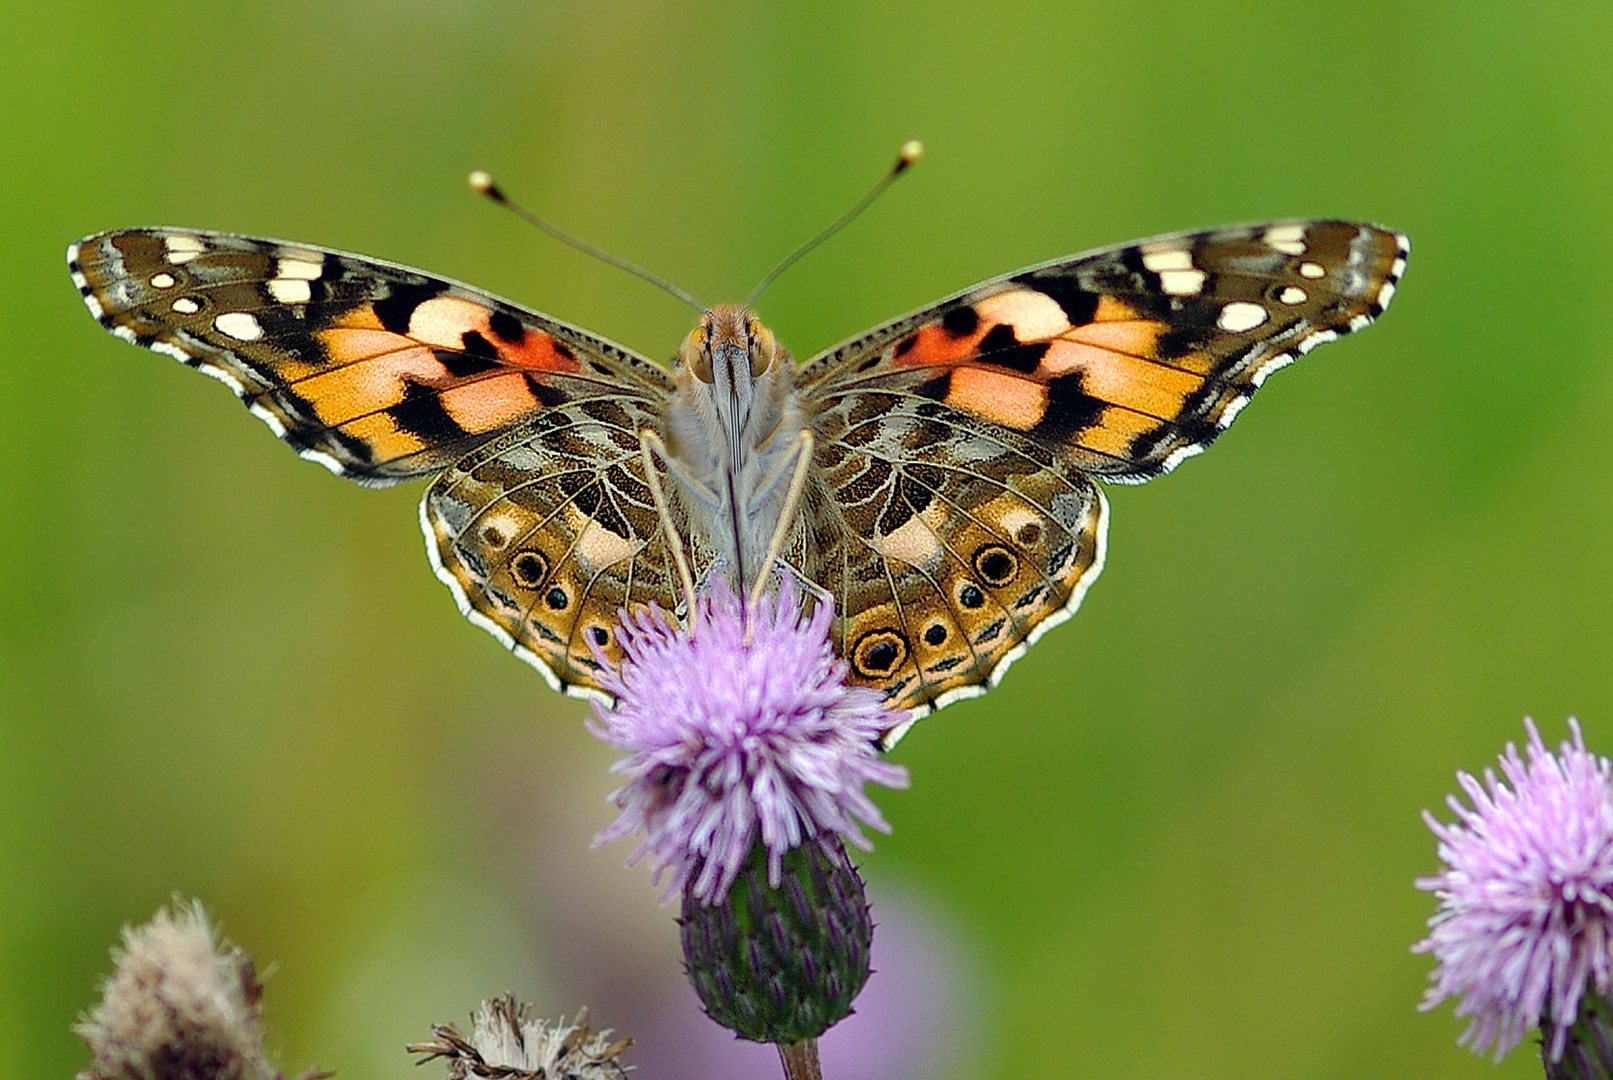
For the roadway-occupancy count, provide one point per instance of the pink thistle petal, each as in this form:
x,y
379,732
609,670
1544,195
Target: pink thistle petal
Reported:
x,y
1525,919
729,741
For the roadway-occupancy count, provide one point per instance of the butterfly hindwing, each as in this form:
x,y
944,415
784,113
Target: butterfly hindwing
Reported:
x,y
376,371
943,433
547,532
948,543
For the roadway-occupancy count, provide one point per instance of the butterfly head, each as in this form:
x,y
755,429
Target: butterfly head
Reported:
x,y
724,359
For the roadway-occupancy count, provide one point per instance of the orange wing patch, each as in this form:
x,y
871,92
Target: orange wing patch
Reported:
x,y
1019,358
998,396
457,350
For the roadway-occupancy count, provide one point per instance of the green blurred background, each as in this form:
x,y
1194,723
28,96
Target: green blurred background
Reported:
x,y
1178,841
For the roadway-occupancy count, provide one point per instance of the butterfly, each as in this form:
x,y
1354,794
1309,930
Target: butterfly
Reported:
x,y
935,478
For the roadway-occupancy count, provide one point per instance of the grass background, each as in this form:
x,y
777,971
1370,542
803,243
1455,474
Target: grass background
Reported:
x,y
1179,840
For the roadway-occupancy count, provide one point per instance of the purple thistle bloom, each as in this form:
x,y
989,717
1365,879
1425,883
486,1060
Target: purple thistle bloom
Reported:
x,y
730,740
1525,920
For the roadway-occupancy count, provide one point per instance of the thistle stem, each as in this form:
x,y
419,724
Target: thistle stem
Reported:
x,y
800,1060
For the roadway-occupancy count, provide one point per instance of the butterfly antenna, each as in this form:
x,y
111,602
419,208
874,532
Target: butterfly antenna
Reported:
x,y
483,183
911,151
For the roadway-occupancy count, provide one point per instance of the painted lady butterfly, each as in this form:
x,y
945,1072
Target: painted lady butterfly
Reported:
x,y
934,476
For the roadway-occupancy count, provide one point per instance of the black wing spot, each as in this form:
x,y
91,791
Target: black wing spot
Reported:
x,y
879,652
507,327
1070,410
1182,341
462,365
1002,349
477,345
970,595
529,569
548,396
935,634
996,565
557,599
420,413
961,321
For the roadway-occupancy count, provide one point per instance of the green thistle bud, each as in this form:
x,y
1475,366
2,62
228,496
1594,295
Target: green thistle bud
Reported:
x,y
781,964
1587,1054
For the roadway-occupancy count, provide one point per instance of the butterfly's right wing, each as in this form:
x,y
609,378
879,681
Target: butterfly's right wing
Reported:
x,y
957,519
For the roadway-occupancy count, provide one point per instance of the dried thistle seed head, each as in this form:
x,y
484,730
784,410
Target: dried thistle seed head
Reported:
x,y
180,1004
507,1044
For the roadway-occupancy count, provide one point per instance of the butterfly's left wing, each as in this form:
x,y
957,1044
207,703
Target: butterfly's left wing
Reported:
x,y
540,521
957,445
377,371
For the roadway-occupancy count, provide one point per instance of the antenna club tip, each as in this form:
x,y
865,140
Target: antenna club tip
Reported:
x,y
482,183
910,152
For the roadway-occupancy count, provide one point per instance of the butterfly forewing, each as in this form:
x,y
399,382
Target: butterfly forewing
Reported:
x,y
1129,359
376,371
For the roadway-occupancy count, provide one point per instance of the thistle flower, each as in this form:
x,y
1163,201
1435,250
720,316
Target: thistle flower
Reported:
x,y
1525,920
507,1044
742,731
180,1005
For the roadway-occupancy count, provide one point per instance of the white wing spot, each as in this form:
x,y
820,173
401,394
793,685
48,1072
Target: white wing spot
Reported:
x,y
1161,260
1241,316
1288,239
296,266
1312,270
1386,293
240,325
182,248
290,290
1182,282
186,306
1292,295
162,281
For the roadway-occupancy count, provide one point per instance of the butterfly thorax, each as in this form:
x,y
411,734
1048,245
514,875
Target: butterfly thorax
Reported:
x,y
732,429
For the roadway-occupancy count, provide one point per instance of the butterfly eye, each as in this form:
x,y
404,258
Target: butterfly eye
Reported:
x,y
696,354
763,348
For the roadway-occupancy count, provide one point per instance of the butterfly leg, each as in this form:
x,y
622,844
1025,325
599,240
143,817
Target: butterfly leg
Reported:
x,y
651,446
801,449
